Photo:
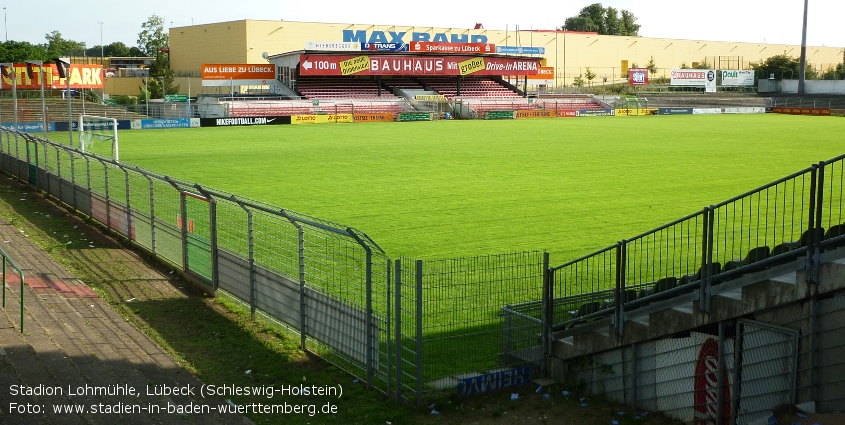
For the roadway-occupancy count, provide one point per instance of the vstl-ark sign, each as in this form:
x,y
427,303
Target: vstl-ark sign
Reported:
x,y
361,36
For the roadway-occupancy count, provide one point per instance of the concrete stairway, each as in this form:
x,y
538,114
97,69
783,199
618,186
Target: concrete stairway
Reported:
x,y
77,351
745,295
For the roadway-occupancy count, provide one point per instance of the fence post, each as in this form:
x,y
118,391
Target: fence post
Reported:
x,y
620,287
419,313
73,179
108,201
301,247
369,303
251,259
706,258
811,224
548,318
720,376
152,215
302,304
818,233
387,316
397,276
59,175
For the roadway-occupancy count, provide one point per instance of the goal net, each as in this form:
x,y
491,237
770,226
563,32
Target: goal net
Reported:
x,y
98,135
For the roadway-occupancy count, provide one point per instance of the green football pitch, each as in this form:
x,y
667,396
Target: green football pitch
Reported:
x,y
456,188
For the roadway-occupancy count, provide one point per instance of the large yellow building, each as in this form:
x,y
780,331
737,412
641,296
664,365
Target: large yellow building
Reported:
x,y
569,53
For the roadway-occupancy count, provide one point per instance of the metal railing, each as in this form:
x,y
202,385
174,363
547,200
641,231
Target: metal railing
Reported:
x,y
785,223
7,260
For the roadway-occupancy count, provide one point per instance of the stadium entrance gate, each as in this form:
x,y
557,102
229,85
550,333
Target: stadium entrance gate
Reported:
x,y
196,222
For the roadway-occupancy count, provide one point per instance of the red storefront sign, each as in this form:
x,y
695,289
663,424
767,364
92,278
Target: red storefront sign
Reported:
x,y
638,76
333,65
463,48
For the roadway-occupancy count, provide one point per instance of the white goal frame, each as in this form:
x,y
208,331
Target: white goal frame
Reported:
x,y
113,136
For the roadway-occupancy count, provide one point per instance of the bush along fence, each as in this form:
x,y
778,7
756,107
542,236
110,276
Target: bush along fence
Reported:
x,y
413,328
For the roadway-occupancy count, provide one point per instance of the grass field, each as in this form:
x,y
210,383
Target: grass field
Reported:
x,y
455,188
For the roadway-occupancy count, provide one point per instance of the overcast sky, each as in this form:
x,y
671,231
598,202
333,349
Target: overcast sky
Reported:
x,y
718,20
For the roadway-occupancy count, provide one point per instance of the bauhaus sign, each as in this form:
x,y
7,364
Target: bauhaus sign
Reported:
x,y
415,65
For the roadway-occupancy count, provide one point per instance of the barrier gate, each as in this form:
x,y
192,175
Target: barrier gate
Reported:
x,y
198,243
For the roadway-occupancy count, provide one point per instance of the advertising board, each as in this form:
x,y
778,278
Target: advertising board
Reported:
x,y
637,76
694,78
462,48
81,77
735,78
242,71
520,50
337,65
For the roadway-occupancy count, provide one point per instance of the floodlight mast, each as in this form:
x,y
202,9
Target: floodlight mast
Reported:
x,y
802,70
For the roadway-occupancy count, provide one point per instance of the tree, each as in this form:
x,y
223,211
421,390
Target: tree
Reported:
x,y
19,51
651,66
152,36
153,41
703,65
611,21
578,81
590,75
628,25
580,23
832,73
607,21
57,46
782,66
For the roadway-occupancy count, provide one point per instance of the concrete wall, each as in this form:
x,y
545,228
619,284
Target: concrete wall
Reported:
x,y
131,86
569,53
814,86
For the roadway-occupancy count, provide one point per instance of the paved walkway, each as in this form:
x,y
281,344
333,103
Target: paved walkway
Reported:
x,y
77,352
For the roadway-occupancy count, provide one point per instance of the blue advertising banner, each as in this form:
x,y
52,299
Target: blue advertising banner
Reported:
x,y
385,47
494,381
521,50
62,125
675,111
161,123
31,127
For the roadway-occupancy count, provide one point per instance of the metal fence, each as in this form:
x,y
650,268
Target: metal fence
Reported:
x,y
408,328
412,328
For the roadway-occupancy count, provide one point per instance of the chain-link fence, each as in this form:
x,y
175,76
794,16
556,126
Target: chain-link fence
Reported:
x,y
415,328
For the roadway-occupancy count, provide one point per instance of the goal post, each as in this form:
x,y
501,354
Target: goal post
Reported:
x,y
98,135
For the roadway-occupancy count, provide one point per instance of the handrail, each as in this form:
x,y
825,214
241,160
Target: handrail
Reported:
x,y
766,186
8,259
709,247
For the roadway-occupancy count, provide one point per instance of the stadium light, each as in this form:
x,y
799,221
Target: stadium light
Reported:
x,y
63,66
29,71
802,70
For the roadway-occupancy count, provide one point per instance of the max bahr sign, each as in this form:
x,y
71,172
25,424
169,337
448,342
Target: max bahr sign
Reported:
x,y
230,122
